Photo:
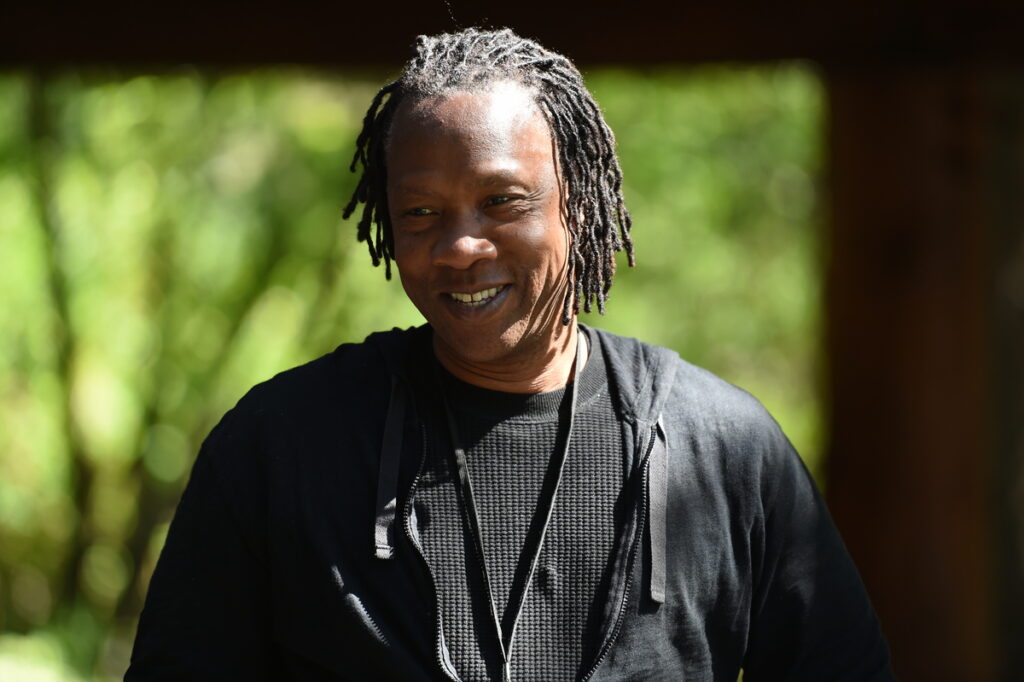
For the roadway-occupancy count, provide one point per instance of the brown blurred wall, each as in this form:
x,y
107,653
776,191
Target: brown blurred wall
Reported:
x,y
925,248
924,339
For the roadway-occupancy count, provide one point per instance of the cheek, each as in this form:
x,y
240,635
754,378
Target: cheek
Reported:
x,y
415,287
410,270
544,250
554,243
558,237
408,249
540,233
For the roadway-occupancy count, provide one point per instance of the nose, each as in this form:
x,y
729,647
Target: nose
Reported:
x,y
463,242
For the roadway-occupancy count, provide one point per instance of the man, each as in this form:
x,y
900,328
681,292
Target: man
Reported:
x,y
501,494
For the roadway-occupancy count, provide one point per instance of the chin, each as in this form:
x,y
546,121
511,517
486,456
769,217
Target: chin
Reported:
x,y
480,352
480,348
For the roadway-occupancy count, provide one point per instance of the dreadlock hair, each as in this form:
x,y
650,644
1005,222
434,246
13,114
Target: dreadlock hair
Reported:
x,y
472,59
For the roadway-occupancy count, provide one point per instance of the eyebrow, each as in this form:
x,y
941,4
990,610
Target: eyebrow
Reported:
x,y
415,190
498,177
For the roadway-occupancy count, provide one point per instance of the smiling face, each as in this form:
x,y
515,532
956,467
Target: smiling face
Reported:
x,y
480,241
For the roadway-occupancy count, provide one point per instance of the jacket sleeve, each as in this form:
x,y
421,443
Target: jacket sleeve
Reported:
x,y
206,611
811,618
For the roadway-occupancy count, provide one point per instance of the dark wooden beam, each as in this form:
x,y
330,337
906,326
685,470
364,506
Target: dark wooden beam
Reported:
x,y
378,33
1006,361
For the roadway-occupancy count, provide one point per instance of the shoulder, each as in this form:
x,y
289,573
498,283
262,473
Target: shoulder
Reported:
x,y
342,376
319,421
705,401
714,429
345,391
657,379
725,437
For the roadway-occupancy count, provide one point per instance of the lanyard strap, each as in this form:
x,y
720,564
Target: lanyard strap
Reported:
x,y
541,521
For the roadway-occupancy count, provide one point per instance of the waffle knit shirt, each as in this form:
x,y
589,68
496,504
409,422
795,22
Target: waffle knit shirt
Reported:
x,y
510,441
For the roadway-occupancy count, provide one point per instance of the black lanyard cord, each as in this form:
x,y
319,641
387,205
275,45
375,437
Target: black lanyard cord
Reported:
x,y
545,504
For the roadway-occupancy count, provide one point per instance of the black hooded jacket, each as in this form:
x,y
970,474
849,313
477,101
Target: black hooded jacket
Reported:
x,y
293,554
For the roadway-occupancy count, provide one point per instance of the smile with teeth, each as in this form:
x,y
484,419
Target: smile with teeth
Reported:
x,y
477,299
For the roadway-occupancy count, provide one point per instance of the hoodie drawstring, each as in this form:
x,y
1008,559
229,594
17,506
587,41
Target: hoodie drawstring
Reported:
x,y
657,498
387,481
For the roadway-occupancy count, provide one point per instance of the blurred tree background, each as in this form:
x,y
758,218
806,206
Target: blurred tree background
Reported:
x,y
167,241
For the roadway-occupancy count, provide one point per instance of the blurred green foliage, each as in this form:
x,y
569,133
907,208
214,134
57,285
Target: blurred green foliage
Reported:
x,y
168,241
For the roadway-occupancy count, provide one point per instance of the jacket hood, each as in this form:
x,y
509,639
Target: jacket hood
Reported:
x,y
641,374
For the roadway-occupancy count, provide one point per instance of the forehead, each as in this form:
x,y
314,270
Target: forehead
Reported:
x,y
480,122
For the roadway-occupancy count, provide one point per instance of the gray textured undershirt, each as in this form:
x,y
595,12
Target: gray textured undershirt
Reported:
x,y
509,441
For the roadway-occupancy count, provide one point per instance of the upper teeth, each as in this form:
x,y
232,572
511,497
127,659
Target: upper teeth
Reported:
x,y
477,298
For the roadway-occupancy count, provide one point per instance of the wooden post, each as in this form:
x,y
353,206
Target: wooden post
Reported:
x,y
926,354
1007,363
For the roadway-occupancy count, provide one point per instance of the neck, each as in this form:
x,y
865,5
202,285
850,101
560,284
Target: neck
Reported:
x,y
545,371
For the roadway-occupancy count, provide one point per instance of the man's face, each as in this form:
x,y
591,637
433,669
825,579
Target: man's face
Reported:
x,y
480,242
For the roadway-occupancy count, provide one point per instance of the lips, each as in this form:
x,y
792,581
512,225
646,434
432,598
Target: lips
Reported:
x,y
476,299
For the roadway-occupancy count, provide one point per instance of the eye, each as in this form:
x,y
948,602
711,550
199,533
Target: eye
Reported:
x,y
499,199
419,211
